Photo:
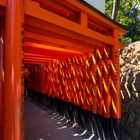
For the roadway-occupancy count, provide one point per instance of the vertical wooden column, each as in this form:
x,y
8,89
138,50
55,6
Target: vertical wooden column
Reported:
x,y
94,89
1,77
13,86
116,97
107,94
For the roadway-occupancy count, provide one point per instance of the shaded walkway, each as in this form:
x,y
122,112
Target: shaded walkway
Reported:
x,y
43,124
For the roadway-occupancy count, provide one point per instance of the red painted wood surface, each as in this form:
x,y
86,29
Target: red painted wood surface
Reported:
x,y
84,80
13,79
1,77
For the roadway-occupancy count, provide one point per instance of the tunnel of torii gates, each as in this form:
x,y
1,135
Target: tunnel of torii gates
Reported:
x,y
72,52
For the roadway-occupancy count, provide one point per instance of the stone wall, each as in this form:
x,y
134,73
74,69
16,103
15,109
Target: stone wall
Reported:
x,y
130,91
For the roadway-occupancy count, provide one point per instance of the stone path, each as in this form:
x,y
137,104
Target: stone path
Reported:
x,y
44,124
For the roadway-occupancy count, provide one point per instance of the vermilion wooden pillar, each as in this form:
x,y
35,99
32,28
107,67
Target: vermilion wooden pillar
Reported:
x,y
13,87
1,77
116,97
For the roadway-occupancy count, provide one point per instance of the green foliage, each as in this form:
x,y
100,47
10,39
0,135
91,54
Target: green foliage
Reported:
x,y
126,40
128,12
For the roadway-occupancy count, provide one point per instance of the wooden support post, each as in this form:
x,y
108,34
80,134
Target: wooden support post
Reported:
x,y
13,86
94,90
1,78
116,98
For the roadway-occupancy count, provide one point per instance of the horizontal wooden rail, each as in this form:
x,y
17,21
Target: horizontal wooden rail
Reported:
x,y
48,47
63,43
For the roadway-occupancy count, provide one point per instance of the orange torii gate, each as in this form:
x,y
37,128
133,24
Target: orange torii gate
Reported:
x,y
56,33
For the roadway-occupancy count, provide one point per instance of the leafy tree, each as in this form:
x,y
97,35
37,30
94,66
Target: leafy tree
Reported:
x,y
127,13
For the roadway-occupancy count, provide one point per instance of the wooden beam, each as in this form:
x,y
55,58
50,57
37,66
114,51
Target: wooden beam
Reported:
x,y
48,53
56,33
26,62
85,49
36,60
34,10
49,29
45,56
62,43
52,48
